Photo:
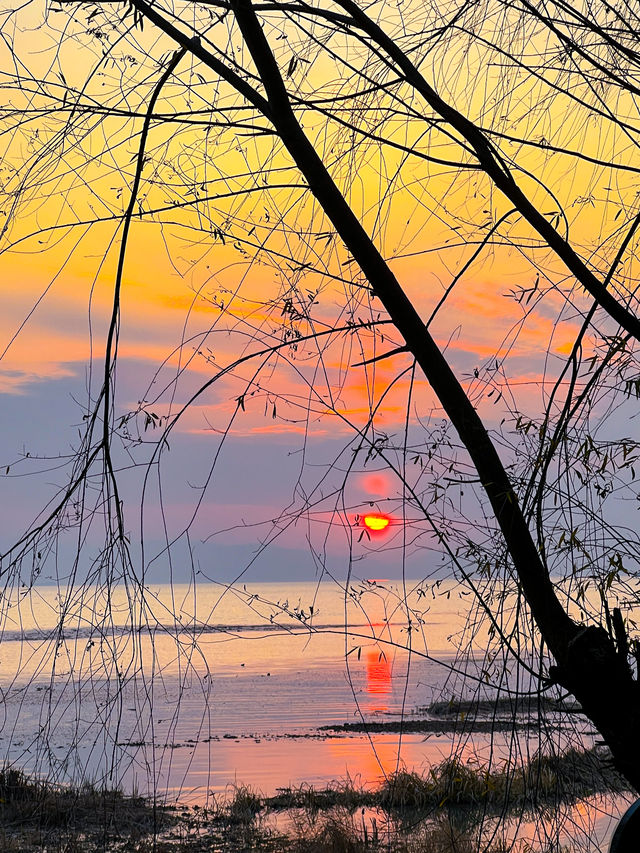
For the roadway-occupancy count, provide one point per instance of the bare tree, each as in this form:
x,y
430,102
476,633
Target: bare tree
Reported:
x,y
510,130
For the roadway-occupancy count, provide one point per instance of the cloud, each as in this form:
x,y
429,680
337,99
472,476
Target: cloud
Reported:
x,y
15,381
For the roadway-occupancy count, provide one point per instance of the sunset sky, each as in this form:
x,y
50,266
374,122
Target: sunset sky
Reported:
x,y
198,294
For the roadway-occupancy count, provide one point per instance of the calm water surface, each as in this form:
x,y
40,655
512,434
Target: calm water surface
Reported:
x,y
235,689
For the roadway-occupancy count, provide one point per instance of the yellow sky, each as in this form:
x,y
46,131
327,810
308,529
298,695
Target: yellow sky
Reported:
x,y
183,265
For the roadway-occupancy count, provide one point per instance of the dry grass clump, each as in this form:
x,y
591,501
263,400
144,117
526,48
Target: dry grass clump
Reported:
x,y
545,780
242,807
405,790
24,800
451,783
346,793
35,815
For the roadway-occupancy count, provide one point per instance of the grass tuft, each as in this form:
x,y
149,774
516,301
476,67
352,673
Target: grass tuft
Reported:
x,y
37,815
243,807
544,781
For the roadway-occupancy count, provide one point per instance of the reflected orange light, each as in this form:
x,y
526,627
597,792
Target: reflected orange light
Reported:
x,y
378,682
378,673
376,522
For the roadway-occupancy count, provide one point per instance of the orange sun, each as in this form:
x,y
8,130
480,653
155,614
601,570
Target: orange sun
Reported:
x,y
376,522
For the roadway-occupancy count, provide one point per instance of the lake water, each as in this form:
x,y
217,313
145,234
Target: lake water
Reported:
x,y
235,688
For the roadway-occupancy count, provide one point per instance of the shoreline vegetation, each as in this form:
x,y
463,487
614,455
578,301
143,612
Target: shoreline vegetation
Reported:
x,y
478,716
439,812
